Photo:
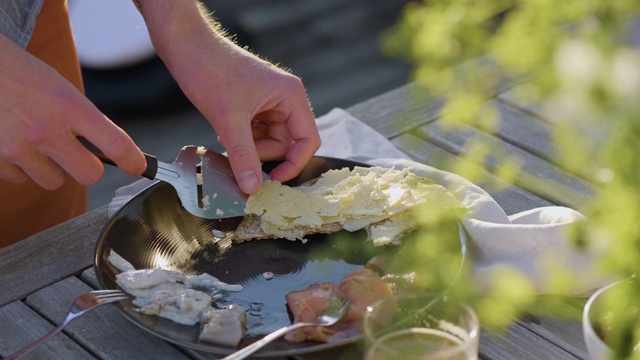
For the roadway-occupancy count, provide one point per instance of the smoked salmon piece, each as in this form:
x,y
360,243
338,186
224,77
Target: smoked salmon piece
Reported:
x,y
362,287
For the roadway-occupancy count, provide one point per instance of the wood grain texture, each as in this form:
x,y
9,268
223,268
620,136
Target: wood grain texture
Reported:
x,y
511,198
114,338
521,343
400,110
537,175
49,256
397,111
22,325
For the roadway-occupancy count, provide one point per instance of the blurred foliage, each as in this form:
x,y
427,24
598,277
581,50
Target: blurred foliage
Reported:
x,y
576,67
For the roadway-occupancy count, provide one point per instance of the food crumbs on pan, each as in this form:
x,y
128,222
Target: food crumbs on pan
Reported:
x,y
219,212
218,233
201,150
267,275
205,202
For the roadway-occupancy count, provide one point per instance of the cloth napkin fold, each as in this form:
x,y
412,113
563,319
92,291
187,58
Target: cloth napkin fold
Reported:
x,y
525,241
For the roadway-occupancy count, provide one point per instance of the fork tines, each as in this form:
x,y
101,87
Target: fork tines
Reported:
x,y
110,295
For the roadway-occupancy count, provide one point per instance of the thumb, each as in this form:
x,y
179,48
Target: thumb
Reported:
x,y
245,163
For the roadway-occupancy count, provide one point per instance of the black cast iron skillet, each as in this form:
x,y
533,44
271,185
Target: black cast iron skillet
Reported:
x,y
153,230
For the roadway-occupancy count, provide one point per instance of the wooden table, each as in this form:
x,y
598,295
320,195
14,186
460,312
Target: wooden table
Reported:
x,y
40,276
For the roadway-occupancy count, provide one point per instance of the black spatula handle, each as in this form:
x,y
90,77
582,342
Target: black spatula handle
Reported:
x,y
152,162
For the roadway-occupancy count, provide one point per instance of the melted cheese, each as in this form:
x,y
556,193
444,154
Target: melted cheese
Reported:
x,y
354,198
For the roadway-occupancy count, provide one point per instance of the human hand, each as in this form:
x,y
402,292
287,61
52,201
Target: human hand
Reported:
x,y
259,111
42,115
272,121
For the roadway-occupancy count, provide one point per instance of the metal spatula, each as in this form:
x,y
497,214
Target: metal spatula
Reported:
x,y
203,179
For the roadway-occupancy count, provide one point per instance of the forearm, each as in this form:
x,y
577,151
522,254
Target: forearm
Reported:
x,y
169,20
179,28
192,45
259,111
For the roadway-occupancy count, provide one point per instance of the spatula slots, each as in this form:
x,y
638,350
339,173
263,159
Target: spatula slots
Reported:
x,y
202,178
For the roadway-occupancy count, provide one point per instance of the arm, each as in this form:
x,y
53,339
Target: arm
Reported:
x,y
259,111
41,114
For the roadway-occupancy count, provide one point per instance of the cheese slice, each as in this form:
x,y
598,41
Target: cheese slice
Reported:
x,y
378,199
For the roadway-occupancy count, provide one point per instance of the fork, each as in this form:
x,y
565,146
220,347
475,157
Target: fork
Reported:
x,y
81,305
333,314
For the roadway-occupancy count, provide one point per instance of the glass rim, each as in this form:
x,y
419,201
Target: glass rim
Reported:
x,y
472,332
461,347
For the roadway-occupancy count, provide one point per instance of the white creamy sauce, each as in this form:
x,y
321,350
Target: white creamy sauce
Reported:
x,y
138,282
183,298
207,281
177,303
119,262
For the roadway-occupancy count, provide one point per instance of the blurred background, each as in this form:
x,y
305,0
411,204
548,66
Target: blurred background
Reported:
x,y
332,45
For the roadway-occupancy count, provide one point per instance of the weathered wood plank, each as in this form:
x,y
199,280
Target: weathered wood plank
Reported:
x,y
537,175
520,343
397,111
21,326
525,131
42,259
511,198
114,338
356,86
564,333
511,98
559,321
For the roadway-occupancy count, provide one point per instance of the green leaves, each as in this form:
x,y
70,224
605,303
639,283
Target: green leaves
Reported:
x,y
583,79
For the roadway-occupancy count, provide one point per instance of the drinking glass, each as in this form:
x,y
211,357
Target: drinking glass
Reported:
x,y
421,326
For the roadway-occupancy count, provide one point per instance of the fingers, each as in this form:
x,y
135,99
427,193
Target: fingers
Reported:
x,y
272,140
46,174
18,166
278,139
71,156
62,152
40,141
114,143
12,173
243,156
305,141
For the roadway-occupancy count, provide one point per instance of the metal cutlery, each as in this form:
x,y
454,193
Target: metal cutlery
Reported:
x,y
332,316
202,178
81,305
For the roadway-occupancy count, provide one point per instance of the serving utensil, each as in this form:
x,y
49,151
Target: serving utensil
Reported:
x,y
81,306
332,316
202,178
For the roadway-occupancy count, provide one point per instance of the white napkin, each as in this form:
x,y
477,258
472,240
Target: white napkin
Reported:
x,y
526,241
